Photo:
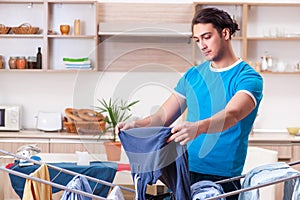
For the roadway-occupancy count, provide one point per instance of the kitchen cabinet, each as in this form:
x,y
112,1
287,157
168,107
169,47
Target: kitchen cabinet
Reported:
x,y
52,142
267,29
48,16
73,145
145,37
13,14
284,150
12,144
296,155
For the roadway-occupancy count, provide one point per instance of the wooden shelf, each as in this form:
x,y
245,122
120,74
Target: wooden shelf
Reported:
x,y
145,29
251,45
274,38
73,36
21,36
49,15
72,1
147,34
22,1
287,73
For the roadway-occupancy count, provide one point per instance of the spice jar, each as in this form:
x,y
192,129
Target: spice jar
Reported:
x,y
21,62
12,62
31,62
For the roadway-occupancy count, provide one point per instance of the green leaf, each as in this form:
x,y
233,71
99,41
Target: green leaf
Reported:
x,y
117,111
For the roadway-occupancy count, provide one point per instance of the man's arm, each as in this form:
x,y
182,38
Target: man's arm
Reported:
x,y
237,108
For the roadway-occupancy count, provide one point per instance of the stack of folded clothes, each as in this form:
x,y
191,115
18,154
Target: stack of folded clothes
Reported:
x,y
77,63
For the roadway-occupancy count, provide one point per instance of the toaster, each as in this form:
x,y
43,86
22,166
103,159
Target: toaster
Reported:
x,y
49,121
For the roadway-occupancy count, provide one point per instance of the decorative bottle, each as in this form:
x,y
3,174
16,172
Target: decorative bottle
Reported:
x,y
76,27
264,63
39,59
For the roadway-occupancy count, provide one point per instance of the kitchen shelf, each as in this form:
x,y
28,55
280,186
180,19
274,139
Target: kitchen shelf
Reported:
x,y
145,29
143,36
70,70
73,36
286,73
147,34
21,36
21,70
264,32
49,15
83,45
274,38
21,1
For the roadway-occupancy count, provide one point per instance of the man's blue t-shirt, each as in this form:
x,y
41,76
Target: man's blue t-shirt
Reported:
x,y
207,91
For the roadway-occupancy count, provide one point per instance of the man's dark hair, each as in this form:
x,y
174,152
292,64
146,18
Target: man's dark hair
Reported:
x,y
218,18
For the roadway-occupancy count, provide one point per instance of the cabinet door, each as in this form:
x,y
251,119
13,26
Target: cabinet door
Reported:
x,y
73,145
12,144
296,156
284,150
132,40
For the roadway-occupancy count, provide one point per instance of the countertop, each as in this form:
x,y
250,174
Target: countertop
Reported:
x,y
273,136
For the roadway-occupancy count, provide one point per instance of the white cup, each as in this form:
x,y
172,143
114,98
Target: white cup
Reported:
x,y
280,67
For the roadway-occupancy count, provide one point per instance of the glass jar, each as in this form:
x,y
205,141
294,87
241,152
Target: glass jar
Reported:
x,y
31,62
21,62
12,62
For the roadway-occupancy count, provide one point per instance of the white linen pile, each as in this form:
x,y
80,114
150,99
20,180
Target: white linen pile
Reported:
x,y
77,63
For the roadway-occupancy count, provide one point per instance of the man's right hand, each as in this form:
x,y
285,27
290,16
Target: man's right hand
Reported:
x,y
124,126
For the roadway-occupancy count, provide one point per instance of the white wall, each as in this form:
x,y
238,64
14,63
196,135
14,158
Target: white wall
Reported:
x,y
42,91
56,91
53,92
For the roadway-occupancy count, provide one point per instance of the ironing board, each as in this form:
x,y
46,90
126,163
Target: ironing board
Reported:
x,y
100,170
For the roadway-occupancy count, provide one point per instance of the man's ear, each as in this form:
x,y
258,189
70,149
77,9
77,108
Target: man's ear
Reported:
x,y
226,33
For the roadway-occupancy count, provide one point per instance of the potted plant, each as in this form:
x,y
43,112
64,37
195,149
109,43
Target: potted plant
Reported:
x,y
116,111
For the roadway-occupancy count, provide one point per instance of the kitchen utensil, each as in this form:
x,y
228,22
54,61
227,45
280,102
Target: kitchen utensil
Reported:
x,y
49,121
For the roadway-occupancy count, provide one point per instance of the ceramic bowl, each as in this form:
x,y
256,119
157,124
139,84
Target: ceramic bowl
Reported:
x,y
293,130
64,29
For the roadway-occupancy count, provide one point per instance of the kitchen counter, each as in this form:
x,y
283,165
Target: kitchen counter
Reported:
x,y
283,137
253,137
53,142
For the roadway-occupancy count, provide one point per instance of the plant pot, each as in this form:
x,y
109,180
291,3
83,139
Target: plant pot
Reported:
x,y
113,150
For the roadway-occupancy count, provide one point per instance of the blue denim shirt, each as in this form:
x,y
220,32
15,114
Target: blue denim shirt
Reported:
x,y
151,158
206,189
77,183
267,174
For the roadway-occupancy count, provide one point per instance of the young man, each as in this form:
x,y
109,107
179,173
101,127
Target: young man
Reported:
x,y
221,95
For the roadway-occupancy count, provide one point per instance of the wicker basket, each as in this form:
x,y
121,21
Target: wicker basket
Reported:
x,y
85,126
4,29
25,29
